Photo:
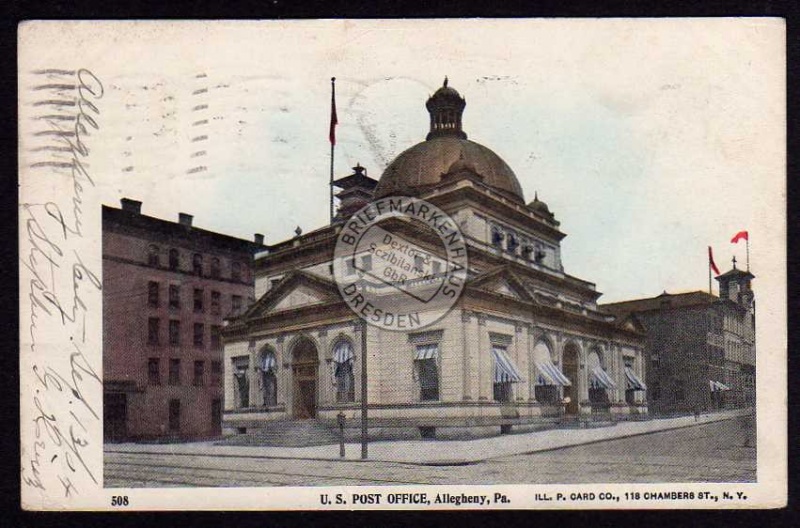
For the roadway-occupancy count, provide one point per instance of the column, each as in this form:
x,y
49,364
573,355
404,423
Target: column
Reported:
x,y
484,359
531,368
521,362
358,327
468,352
283,373
252,375
324,390
583,373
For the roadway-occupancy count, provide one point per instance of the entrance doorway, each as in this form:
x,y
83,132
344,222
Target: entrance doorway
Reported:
x,y
305,363
571,372
115,411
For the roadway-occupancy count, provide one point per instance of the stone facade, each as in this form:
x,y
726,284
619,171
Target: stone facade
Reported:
x,y
519,311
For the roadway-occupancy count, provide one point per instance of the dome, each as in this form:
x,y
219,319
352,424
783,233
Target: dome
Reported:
x,y
422,166
446,150
540,207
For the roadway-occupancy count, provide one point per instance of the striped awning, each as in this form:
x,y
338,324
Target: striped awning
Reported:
x,y
600,379
633,382
716,386
343,352
268,362
549,374
504,368
426,352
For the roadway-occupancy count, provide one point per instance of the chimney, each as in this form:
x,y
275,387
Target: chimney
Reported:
x,y
185,219
131,206
259,239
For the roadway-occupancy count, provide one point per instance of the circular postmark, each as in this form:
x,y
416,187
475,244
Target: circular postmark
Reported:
x,y
400,263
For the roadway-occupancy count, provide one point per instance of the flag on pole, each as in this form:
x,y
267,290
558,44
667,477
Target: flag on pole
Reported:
x,y
334,119
711,261
739,236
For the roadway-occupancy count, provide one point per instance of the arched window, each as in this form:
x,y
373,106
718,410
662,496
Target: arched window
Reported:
x,y
599,381
548,377
497,237
174,259
153,256
269,381
215,268
343,358
197,264
236,271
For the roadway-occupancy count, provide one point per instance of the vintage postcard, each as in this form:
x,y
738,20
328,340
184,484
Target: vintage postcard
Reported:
x,y
403,264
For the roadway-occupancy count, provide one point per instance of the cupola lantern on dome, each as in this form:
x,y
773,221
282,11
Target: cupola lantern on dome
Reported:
x,y
445,154
445,107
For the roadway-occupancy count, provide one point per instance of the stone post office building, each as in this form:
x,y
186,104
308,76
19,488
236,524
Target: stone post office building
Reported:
x,y
524,344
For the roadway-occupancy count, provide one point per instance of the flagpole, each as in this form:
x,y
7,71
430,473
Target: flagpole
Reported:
x,y
747,245
709,278
333,143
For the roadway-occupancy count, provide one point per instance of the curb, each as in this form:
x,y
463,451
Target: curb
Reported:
x,y
442,462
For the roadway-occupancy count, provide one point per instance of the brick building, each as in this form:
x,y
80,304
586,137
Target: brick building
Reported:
x,y
524,344
166,288
701,348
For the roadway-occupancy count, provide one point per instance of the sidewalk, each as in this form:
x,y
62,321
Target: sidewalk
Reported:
x,y
433,452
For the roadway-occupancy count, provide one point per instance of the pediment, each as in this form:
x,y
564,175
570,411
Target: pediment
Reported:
x,y
297,290
502,282
631,323
504,288
299,297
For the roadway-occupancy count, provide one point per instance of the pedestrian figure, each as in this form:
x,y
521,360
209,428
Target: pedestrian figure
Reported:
x,y
696,413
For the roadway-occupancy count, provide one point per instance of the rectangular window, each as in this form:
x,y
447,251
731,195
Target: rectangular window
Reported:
x,y
503,391
174,371
152,331
198,300
655,391
216,341
174,415
174,332
197,264
236,304
152,294
366,263
174,296
153,374
680,392
428,379
216,372
198,334
199,371
236,271
215,302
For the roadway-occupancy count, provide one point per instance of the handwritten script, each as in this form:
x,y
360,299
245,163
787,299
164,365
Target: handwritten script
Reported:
x,y
61,290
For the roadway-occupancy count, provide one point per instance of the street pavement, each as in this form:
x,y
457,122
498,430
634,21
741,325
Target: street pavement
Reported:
x,y
441,452
716,448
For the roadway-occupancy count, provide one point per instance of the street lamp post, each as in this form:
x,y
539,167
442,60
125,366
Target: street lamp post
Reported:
x,y
364,390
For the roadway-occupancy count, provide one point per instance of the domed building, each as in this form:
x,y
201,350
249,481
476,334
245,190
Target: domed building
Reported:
x,y
524,346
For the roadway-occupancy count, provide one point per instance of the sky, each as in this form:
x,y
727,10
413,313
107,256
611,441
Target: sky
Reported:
x,y
649,139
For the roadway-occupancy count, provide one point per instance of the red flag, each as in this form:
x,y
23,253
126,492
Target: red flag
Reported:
x,y
334,119
711,261
738,236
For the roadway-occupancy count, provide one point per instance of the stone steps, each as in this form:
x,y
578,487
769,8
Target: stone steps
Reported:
x,y
286,433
